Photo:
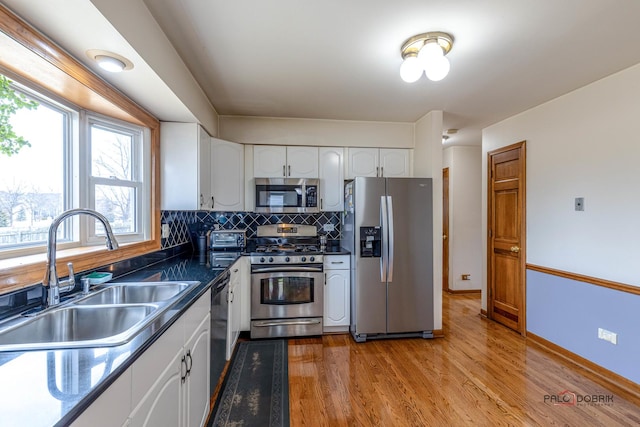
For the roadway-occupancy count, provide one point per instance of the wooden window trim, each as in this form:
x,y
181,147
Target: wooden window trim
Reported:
x,y
54,70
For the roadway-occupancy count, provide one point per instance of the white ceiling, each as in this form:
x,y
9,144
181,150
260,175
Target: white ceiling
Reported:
x,y
334,59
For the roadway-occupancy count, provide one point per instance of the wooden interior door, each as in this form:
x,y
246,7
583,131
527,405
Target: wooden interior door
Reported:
x,y
445,229
506,236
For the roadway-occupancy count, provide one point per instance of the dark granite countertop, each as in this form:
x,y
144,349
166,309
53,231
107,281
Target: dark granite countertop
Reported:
x,y
31,390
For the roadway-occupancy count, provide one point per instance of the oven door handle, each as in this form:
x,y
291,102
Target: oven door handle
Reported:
x,y
268,323
291,269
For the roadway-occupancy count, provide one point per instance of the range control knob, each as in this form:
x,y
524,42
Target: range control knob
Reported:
x,y
270,259
287,259
262,259
303,259
312,259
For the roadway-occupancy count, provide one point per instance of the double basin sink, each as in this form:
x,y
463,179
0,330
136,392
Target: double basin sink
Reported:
x,y
109,316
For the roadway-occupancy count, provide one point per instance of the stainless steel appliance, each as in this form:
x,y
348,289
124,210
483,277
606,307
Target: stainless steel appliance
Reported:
x,y
388,228
287,282
219,320
220,240
286,195
225,246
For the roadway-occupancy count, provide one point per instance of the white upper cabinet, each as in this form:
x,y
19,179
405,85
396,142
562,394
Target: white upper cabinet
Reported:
x,y
380,162
227,175
362,162
185,156
395,162
331,179
302,162
272,161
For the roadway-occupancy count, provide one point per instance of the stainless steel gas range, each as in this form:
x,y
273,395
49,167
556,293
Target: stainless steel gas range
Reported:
x,y
287,281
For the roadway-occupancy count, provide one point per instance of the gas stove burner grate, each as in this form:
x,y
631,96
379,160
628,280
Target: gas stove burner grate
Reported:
x,y
287,248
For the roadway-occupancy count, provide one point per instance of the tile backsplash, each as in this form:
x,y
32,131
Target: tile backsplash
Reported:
x,y
184,225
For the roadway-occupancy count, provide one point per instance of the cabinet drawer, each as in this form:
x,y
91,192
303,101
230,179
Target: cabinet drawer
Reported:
x,y
337,262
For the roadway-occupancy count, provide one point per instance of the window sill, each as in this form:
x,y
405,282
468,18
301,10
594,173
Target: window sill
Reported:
x,y
21,272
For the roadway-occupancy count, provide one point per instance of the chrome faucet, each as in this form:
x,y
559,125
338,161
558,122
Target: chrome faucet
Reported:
x,y
51,281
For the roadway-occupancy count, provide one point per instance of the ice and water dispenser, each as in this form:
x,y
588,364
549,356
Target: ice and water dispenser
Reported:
x,y
370,242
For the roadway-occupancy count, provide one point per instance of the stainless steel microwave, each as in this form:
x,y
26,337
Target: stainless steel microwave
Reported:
x,y
287,195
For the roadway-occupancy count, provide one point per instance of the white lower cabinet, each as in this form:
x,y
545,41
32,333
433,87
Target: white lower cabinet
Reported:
x,y
337,292
168,385
111,408
234,307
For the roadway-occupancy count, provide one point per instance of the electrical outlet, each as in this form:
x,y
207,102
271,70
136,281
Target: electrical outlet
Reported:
x,y
165,231
328,227
605,335
579,203
466,277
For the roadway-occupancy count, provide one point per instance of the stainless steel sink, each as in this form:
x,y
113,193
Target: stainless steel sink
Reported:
x,y
79,326
136,293
111,315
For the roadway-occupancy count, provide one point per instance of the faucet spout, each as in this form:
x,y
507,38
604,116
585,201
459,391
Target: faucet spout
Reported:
x,y
51,280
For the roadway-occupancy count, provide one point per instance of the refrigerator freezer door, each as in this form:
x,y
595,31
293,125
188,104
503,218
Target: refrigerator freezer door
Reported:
x,y
410,294
369,291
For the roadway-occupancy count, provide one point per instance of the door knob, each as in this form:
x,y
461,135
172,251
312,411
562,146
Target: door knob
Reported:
x,y
515,249
444,237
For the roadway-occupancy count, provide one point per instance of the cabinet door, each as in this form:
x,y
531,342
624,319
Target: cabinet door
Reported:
x,y
233,320
112,407
245,293
336,298
331,179
204,169
227,175
302,162
162,404
184,166
196,388
362,162
269,161
395,162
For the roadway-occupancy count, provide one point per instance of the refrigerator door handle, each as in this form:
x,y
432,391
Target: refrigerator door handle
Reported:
x,y
385,243
391,239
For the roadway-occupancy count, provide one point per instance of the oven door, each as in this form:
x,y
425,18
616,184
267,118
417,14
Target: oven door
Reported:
x,y
287,294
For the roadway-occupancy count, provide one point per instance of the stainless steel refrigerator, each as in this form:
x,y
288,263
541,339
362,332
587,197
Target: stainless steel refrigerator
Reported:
x,y
388,228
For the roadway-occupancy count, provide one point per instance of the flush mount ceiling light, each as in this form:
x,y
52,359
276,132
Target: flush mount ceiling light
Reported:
x,y
426,52
110,61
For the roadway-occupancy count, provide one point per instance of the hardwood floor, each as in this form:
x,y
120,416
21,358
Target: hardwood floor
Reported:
x,y
479,374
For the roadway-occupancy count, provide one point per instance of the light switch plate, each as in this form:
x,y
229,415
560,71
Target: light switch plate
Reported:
x,y
165,231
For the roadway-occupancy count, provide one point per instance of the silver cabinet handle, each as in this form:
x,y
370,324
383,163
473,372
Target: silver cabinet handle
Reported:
x,y
381,170
201,200
377,171
212,202
284,170
337,262
289,170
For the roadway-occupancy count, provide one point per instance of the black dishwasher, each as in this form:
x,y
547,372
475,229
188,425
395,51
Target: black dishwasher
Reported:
x,y
219,314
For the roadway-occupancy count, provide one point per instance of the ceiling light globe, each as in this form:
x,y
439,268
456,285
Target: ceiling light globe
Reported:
x,y
437,69
411,69
431,51
110,63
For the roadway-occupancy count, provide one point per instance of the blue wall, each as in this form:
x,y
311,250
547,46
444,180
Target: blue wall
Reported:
x,y
569,312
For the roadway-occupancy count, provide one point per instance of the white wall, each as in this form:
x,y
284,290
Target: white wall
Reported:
x,y
330,133
133,20
583,144
427,163
465,204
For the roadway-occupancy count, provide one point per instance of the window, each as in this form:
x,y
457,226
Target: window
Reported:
x,y
116,179
78,95
107,171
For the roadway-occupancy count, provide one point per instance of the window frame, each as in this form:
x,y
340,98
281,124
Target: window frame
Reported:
x,y
41,62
